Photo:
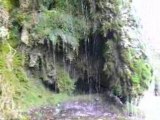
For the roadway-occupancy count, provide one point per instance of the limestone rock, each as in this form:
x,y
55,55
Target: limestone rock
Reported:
x,y
4,17
33,60
25,36
4,32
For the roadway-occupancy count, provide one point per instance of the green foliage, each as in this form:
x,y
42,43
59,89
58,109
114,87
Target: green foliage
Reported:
x,y
66,38
135,79
20,18
9,4
64,82
62,4
112,26
18,60
4,49
109,16
134,69
54,25
70,6
14,36
112,6
127,55
58,20
117,90
7,84
142,72
22,92
46,3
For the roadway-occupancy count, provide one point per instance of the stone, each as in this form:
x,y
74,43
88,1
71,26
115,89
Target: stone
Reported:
x,y
52,74
4,17
33,60
24,4
25,36
4,34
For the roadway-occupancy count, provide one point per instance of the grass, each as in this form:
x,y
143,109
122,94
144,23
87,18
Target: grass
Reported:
x,y
37,96
31,93
19,93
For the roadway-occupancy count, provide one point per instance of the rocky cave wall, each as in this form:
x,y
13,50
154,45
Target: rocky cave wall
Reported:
x,y
87,45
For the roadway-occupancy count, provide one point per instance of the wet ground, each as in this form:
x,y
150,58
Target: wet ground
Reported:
x,y
80,110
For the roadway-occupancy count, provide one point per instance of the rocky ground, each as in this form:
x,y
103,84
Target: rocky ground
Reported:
x,y
80,110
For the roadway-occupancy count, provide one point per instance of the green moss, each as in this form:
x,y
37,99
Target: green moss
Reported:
x,y
64,82
135,79
62,4
141,70
127,55
117,90
4,49
70,6
34,94
51,20
17,60
9,4
112,26
142,75
136,70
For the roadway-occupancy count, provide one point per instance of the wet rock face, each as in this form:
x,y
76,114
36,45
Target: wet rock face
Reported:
x,y
33,60
124,54
50,81
90,63
51,85
87,85
109,56
41,65
85,68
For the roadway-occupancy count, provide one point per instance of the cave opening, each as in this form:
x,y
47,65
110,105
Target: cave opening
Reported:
x,y
92,61
85,70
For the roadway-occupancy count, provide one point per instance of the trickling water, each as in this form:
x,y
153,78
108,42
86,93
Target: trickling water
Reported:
x,y
148,12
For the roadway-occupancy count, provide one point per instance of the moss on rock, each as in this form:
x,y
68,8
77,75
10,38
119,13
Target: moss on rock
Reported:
x,y
64,82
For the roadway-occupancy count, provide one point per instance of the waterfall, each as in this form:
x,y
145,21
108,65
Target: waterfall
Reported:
x,y
148,12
